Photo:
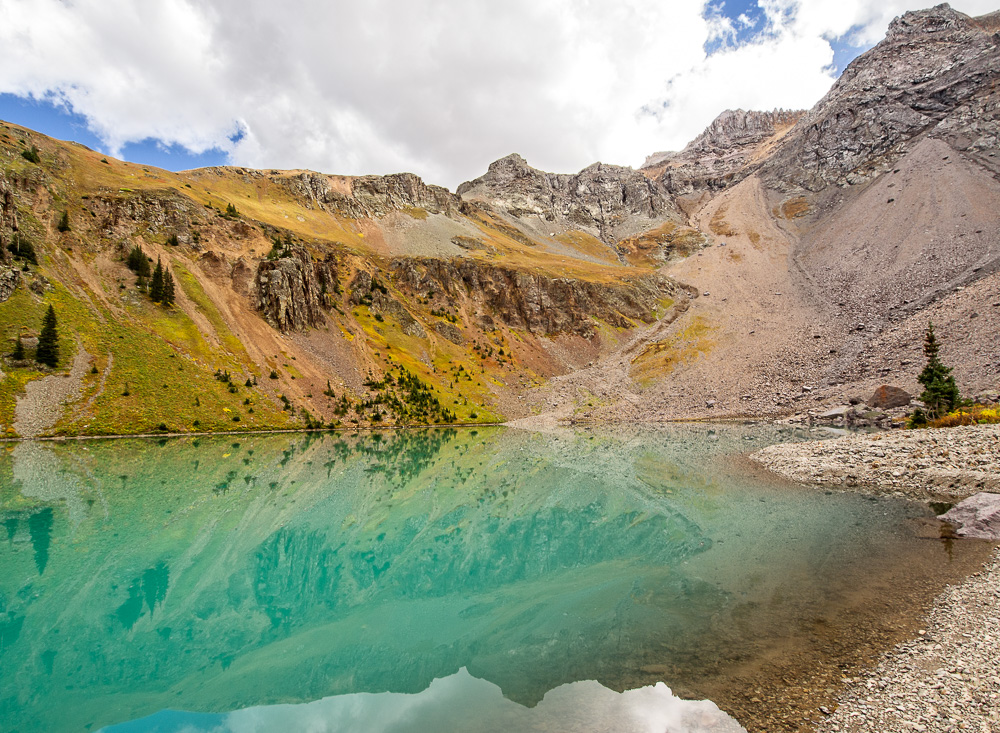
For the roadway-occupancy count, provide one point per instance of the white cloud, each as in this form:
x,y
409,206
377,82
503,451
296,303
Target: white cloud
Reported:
x,y
439,88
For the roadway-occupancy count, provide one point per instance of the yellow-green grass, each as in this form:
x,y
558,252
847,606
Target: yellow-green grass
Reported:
x,y
157,356
398,349
659,359
193,290
589,246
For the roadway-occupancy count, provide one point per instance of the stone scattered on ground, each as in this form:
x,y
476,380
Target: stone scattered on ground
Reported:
x,y
45,400
946,464
978,517
948,679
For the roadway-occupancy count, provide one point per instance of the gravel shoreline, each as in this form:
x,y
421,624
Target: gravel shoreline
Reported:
x,y
947,464
948,678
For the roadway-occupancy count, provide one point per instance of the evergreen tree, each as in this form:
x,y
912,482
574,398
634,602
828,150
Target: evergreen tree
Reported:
x,y
18,354
156,285
168,288
940,392
48,340
63,225
139,264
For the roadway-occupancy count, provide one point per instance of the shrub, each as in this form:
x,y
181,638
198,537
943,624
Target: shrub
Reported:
x,y
63,225
974,415
31,155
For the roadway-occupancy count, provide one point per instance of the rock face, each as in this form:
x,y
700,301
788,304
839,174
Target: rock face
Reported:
x,y
612,202
290,292
156,210
369,196
9,280
366,290
723,154
932,74
537,303
978,517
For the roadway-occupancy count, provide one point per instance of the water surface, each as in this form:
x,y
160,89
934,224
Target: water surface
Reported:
x,y
436,579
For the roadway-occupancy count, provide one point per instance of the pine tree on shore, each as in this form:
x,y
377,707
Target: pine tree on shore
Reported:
x,y
48,341
940,392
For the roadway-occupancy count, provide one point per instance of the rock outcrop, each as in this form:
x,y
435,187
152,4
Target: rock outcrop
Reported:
x,y
723,154
369,196
935,72
532,301
9,280
367,290
291,291
612,202
156,210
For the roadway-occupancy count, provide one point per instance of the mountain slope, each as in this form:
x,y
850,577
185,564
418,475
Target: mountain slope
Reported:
x,y
300,296
834,242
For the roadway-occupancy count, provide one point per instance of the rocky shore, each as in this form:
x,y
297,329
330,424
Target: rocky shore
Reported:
x,y
948,677
947,464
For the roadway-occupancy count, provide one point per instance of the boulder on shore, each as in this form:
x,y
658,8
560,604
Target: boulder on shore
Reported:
x,y
886,397
977,517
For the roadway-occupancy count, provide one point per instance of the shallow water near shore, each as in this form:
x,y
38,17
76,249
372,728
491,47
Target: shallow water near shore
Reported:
x,y
420,580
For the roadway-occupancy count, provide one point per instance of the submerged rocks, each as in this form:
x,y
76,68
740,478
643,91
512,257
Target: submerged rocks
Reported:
x,y
978,516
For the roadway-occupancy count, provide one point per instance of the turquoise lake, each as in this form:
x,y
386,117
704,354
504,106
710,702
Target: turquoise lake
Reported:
x,y
419,580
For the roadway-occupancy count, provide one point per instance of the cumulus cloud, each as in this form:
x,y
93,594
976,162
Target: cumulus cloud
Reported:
x,y
437,88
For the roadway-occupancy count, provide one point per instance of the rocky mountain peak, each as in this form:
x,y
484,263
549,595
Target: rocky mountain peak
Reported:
x,y
938,19
609,201
734,128
723,153
512,165
931,65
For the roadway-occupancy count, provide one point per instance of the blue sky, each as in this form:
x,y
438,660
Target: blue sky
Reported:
x,y
434,87
55,120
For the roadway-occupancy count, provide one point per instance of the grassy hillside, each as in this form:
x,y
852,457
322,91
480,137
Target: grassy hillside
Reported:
x,y
210,361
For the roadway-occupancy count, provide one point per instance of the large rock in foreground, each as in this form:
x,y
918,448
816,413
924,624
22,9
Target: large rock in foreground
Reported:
x,y
978,516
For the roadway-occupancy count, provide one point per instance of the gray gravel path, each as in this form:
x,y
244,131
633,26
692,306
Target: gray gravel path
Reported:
x,y
44,400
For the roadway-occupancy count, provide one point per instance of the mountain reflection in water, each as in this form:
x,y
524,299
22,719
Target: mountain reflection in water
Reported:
x,y
232,573
461,703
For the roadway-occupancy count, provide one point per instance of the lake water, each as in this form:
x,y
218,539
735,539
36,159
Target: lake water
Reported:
x,y
427,580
